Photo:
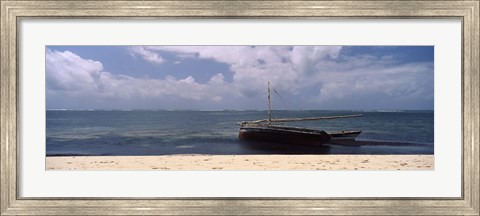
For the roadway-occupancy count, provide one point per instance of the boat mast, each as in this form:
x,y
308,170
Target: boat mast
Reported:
x,y
270,120
269,113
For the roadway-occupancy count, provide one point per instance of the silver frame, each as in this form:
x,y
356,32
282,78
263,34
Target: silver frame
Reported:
x,y
11,11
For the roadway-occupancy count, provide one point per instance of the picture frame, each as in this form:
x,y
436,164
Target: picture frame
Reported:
x,y
13,11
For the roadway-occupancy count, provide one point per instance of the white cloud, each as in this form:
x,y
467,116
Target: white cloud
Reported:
x,y
146,54
412,80
67,71
70,75
320,73
253,66
217,98
218,79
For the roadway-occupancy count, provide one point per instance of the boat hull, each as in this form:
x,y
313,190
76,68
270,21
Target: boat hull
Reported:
x,y
344,135
284,135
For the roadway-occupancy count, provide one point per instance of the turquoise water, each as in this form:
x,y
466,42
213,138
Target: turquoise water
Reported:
x,y
215,132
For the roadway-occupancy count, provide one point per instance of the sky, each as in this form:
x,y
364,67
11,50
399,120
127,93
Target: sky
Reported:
x,y
235,77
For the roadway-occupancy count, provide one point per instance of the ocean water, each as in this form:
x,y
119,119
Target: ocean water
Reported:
x,y
215,132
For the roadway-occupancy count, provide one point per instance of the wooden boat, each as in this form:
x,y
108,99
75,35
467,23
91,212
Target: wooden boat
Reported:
x,y
265,130
282,134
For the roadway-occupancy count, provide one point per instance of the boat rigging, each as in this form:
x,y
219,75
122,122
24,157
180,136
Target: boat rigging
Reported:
x,y
264,130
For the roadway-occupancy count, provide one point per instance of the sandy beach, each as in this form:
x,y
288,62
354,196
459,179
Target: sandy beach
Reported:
x,y
243,162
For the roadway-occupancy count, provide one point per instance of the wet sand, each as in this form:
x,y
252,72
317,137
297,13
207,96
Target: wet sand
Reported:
x,y
243,162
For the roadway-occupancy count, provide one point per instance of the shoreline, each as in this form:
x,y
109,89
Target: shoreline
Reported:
x,y
257,148
191,162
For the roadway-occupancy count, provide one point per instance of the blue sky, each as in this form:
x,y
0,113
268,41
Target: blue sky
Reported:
x,y
235,77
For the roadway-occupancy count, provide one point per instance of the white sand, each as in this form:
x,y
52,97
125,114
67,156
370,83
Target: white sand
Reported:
x,y
243,162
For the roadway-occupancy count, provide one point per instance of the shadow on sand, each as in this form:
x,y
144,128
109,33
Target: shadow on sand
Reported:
x,y
339,147
280,148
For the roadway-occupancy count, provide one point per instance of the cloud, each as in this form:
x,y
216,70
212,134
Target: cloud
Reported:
x,y
319,76
146,55
69,75
67,71
370,82
253,66
337,77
